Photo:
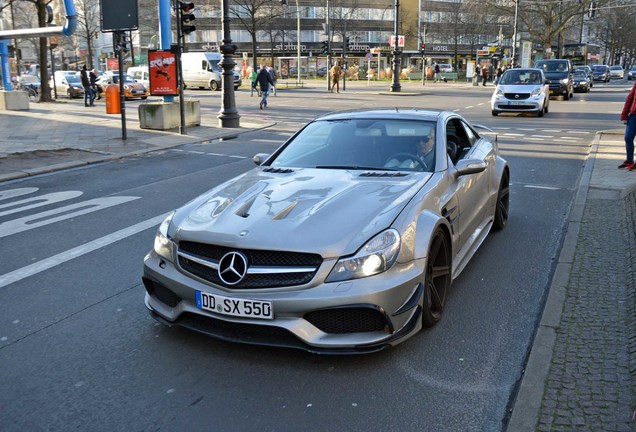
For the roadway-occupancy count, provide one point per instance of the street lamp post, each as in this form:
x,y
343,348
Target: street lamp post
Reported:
x,y
228,116
395,85
284,2
514,33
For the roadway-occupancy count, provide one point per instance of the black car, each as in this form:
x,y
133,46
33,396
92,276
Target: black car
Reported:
x,y
632,73
560,73
588,71
601,73
582,81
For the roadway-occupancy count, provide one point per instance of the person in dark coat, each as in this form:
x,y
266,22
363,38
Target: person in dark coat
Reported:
x,y
264,80
89,97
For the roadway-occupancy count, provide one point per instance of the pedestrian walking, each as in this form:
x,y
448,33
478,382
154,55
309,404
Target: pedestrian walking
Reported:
x,y
264,81
484,74
97,90
499,73
89,97
336,71
437,70
628,117
253,76
272,75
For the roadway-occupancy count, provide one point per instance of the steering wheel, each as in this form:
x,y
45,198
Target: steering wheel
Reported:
x,y
404,156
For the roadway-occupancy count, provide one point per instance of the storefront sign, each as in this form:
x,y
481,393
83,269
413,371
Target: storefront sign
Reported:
x,y
440,47
162,70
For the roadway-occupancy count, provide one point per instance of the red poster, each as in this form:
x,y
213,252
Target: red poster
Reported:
x,y
162,71
112,64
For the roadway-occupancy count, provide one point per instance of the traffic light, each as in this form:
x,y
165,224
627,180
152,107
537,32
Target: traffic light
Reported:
x,y
186,17
325,48
422,48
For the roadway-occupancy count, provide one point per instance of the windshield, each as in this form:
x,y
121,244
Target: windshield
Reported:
x,y
580,74
520,77
552,66
599,68
379,144
616,68
72,78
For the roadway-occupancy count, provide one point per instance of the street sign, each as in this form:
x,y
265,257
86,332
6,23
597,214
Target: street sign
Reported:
x,y
375,51
400,41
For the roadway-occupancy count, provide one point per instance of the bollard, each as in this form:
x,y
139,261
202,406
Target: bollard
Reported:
x,y
112,99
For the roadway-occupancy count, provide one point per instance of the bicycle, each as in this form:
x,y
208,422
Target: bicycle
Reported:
x,y
32,92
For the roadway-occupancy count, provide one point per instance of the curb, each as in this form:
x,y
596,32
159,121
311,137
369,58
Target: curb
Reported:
x,y
230,134
526,407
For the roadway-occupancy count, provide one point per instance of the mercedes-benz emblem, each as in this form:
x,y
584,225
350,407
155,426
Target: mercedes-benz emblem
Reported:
x,y
232,268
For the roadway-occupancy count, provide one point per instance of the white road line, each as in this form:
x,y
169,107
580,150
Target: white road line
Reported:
x,y
551,130
237,157
513,134
535,139
578,132
525,129
541,187
70,211
542,136
469,106
12,193
37,201
70,254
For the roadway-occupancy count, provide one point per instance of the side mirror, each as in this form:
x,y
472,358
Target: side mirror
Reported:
x,y
260,158
469,166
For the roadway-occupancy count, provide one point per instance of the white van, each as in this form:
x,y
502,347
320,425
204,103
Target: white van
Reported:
x,y
201,69
140,74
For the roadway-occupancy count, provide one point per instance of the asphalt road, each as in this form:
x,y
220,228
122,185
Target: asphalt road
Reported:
x,y
78,350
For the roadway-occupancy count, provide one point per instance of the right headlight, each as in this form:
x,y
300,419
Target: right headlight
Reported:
x,y
164,247
499,92
376,256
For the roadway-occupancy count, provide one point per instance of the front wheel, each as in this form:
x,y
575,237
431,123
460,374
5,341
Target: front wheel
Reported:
x,y
495,113
503,203
214,86
437,280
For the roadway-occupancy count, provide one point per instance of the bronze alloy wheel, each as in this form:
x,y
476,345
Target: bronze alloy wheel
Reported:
x,y
438,279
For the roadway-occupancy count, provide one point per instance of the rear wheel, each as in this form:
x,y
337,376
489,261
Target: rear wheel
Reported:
x,y
213,85
566,96
437,279
503,202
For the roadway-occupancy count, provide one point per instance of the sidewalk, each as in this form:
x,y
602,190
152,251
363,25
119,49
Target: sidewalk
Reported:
x,y
581,371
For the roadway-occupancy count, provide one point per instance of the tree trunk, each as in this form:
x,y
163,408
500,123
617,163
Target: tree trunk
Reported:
x,y
45,89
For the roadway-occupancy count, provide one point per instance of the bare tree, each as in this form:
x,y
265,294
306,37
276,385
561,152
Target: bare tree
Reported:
x,y
88,25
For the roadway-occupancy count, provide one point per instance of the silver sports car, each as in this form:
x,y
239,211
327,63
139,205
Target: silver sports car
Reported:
x,y
345,240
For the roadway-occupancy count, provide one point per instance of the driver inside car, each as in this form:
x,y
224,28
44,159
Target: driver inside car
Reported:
x,y
422,158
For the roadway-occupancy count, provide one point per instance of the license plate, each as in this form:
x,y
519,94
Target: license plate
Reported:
x,y
234,306
551,91
514,103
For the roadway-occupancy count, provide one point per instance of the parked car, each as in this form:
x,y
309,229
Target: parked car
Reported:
x,y
582,82
617,72
321,72
132,88
601,73
68,83
27,80
632,73
445,68
521,90
588,71
559,72
327,246
140,74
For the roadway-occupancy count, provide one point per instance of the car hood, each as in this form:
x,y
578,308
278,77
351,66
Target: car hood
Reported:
x,y
555,76
329,212
517,88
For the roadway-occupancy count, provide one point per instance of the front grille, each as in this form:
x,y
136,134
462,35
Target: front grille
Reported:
x,y
517,96
516,107
261,258
348,320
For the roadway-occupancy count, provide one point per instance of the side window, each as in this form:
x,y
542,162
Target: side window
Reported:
x,y
459,139
204,65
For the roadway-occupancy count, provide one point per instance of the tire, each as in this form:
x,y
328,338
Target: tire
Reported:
x,y
495,113
213,85
566,96
236,88
547,106
503,202
144,97
437,280
69,94
542,112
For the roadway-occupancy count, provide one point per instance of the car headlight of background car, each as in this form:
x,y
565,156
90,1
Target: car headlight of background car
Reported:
x,y
376,256
164,247
564,81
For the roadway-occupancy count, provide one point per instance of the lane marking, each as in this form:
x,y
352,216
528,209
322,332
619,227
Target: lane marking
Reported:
x,y
542,136
513,134
541,187
12,193
61,258
41,219
38,201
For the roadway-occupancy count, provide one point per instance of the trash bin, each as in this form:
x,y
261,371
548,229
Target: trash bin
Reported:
x,y
112,99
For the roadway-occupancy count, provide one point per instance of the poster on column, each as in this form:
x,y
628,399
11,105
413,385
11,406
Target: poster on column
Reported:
x,y
162,71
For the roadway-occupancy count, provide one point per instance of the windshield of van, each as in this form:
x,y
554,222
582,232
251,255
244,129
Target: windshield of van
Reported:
x,y
213,65
552,66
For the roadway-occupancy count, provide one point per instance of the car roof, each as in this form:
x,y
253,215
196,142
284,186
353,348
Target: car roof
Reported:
x,y
387,113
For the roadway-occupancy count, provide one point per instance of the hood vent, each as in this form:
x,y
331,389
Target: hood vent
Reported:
x,y
278,170
383,174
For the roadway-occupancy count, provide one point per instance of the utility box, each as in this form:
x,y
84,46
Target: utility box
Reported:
x,y
16,100
167,115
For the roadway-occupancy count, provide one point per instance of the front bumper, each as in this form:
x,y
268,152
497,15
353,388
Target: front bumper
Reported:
x,y
559,89
316,317
581,86
503,104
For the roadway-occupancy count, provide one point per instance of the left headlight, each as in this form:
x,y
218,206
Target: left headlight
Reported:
x,y
164,247
376,256
536,91
499,92
564,81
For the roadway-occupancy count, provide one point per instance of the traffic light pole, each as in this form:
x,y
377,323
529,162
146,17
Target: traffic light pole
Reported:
x,y
121,43
180,41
